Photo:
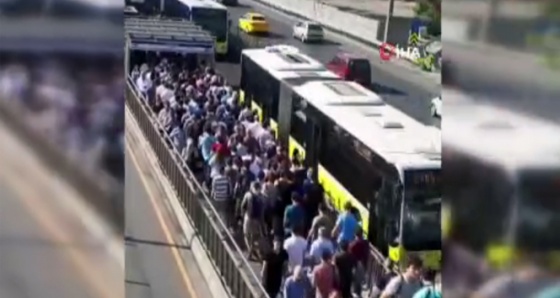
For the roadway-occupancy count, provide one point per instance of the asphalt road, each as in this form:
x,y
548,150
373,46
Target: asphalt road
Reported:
x,y
518,81
407,91
29,256
152,268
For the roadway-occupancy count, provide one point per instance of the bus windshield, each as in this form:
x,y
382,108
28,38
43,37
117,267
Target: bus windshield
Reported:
x,y
213,20
539,209
422,210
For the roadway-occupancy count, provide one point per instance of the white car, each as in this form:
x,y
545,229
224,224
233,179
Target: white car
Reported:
x,y
436,107
308,31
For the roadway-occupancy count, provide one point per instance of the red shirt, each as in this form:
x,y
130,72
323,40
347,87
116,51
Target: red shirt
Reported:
x,y
359,249
324,277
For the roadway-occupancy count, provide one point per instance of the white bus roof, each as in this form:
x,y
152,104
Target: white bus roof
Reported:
x,y
398,138
503,137
282,57
203,3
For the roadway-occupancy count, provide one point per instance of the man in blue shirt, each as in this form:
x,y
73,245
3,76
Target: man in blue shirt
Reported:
x,y
294,214
321,245
346,225
207,139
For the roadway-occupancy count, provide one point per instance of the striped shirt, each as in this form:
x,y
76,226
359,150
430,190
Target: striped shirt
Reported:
x,y
221,188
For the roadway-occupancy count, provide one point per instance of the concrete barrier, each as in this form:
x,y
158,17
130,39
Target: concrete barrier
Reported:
x,y
363,29
101,191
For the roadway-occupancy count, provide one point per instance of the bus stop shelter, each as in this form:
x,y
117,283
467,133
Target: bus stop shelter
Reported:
x,y
154,34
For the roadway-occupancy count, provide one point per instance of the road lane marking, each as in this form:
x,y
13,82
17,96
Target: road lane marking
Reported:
x,y
166,230
29,197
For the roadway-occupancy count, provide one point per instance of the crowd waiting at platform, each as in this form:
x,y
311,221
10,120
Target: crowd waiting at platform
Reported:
x,y
264,192
74,102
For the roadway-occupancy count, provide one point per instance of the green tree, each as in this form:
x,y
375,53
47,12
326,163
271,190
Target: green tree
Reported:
x,y
430,10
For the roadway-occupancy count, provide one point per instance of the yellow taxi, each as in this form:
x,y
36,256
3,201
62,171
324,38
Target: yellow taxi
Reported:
x,y
252,22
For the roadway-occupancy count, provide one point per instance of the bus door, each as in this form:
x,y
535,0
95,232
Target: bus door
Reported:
x,y
313,145
285,111
380,210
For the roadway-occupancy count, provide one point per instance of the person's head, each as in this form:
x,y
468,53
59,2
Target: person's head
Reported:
x,y
297,230
256,187
359,233
414,266
296,198
323,233
326,256
348,207
310,174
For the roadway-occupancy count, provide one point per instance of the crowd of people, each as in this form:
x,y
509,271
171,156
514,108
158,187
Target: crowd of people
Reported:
x,y
264,193
76,102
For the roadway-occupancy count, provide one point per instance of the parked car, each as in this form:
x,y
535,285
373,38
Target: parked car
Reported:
x,y
436,107
253,22
351,68
308,31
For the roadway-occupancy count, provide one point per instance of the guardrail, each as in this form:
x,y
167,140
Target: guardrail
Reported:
x,y
100,190
226,255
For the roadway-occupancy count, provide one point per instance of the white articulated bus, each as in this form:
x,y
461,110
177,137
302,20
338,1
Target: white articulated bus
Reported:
x,y
268,72
385,163
502,171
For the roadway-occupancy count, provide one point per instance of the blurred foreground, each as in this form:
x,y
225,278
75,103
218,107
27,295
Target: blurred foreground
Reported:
x,y
501,142
51,243
61,191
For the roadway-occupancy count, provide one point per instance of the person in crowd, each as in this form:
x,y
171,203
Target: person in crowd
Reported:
x,y
432,285
273,269
321,245
405,285
273,194
383,279
359,249
296,247
345,267
346,225
222,193
297,285
294,216
253,208
321,220
324,276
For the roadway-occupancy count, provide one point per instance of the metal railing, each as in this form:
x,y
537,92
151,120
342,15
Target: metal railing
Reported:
x,y
227,256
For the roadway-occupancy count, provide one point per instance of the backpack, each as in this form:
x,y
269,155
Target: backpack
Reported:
x,y
255,207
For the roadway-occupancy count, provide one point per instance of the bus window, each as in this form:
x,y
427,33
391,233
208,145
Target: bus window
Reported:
x,y
539,210
476,188
259,86
341,160
298,122
422,215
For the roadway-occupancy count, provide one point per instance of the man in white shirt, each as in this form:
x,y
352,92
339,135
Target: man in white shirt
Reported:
x,y
296,247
